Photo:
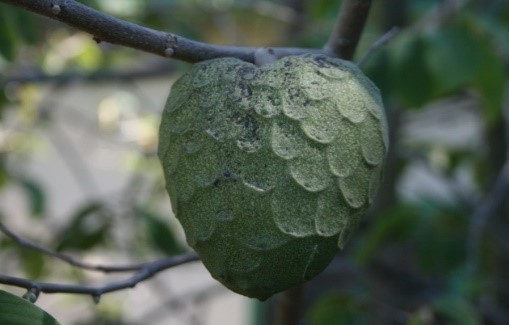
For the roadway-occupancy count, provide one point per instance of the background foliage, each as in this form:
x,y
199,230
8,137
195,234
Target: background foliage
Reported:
x,y
416,259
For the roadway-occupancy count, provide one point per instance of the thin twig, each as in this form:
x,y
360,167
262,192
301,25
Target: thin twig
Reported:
x,y
481,216
69,259
377,45
106,28
348,29
102,75
147,271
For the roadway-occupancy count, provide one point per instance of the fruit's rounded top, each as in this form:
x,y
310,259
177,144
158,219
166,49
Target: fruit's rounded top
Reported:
x,y
270,167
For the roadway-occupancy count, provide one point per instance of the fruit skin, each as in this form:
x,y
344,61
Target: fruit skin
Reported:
x,y
269,168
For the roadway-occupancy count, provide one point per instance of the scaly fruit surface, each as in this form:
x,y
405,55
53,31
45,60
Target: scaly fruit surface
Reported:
x,y
269,168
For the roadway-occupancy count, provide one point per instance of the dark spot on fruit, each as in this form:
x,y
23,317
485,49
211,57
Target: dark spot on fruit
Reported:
x,y
320,61
273,100
247,73
262,245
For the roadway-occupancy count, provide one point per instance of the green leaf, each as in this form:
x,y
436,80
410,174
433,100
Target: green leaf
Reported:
x,y
18,311
440,241
36,196
88,228
454,58
379,71
26,25
490,83
7,34
160,233
339,309
461,57
412,78
33,262
392,227
457,310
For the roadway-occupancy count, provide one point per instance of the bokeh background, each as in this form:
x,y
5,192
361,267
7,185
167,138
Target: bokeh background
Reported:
x,y
79,173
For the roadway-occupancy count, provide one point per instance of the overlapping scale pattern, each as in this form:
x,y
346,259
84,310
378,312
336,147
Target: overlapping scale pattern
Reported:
x,y
270,168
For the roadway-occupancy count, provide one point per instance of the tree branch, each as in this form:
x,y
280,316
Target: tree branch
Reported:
x,y
103,75
106,28
66,258
377,45
484,212
146,271
348,29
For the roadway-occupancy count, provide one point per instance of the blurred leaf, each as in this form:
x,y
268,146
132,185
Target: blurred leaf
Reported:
x,y
160,233
323,9
440,241
32,262
393,226
459,57
490,83
454,58
26,25
18,311
436,233
7,34
378,70
36,196
457,310
412,79
338,309
88,227
4,176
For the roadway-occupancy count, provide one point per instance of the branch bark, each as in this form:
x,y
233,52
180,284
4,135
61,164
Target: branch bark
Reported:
x,y
348,29
109,29
23,242
143,271
147,271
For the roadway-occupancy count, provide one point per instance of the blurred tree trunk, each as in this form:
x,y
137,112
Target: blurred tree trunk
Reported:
x,y
497,306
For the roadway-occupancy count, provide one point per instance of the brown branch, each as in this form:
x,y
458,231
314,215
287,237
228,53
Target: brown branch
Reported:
x,y
348,29
377,45
106,28
163,68
66,258
143,271
147,271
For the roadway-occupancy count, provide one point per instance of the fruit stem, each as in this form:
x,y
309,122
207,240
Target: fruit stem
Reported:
x,y
348,29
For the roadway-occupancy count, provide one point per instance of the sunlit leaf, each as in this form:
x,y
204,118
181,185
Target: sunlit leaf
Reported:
x,y
18,311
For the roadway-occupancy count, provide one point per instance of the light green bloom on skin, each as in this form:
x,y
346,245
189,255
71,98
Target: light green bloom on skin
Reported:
x,y
270,168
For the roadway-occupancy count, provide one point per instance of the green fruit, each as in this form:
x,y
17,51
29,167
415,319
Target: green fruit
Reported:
x,y
270,168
